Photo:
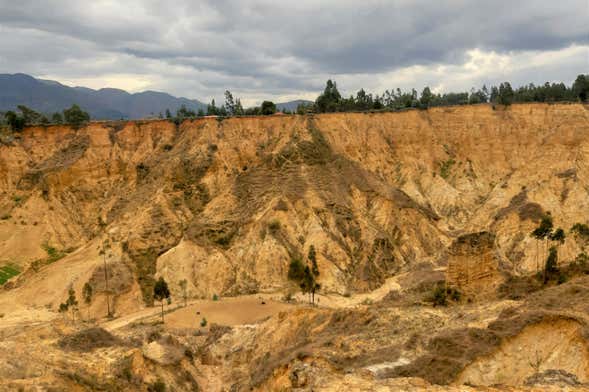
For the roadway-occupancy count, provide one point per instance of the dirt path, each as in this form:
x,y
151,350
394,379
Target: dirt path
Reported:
x,y
338,301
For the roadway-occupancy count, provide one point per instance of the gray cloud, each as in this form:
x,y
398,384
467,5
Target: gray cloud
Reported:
x,y
267,48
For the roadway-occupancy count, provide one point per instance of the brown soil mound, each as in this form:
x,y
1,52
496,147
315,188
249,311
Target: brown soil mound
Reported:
x,y
88,340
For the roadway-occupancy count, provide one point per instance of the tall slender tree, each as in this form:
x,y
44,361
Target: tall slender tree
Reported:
x,y
184,286
87,292
72,303
161,293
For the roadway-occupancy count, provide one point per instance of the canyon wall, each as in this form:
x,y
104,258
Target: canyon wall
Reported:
x,y
227,203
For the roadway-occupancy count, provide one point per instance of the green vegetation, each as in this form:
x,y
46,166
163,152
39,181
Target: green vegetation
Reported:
x,y
87,293
161,293
157,386
184,287
441,294
332,101
233,106
52,253
24,116
296,270
203,322
267,108
75,116
558,236
544,232
7,272
544,229
445,168
551,262
274,226
70,304
304,275
580,229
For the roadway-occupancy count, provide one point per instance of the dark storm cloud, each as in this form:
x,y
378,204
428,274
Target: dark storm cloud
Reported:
x,y
272,47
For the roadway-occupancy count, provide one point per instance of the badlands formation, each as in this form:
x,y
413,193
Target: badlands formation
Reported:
x,y
398,206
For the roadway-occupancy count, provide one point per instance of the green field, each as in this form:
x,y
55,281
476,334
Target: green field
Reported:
x,y
7,272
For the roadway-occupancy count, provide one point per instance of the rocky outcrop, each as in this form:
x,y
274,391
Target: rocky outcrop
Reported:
x,y
473,267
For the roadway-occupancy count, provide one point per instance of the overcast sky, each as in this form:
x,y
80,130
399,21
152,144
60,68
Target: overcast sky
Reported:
x,y
285,50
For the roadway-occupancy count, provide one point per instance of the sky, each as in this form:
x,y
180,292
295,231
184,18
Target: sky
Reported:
x,y
283,50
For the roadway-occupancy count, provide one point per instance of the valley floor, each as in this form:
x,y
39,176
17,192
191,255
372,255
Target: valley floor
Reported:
x,y
374,341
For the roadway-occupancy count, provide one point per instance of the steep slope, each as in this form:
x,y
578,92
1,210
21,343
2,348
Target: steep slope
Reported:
x,y
228,204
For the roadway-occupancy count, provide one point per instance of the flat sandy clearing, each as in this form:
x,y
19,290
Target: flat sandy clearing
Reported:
x,y
225,311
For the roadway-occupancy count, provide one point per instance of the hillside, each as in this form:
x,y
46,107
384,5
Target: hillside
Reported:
x,y
48,96
392,202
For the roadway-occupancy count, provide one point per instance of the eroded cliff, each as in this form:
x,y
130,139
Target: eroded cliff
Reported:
x,y
226,204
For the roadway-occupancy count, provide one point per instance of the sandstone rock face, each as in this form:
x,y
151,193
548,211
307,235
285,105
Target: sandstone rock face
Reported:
x,y
472,265
227,204
538,348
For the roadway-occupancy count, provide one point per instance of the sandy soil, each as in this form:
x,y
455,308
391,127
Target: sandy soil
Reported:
x,y
225,311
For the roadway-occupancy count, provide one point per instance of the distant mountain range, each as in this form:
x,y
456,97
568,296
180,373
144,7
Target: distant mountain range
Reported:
x,y
48,96
291,106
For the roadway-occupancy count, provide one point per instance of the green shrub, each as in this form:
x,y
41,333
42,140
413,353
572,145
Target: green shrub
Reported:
x,y
445,168
215,297
296,270
274,226
440,295
203,322
7,272
581,229
157,386
52,253
552,260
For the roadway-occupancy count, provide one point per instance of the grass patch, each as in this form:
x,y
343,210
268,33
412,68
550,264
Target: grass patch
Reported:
x,y
446,167
53,255
7,272
274,226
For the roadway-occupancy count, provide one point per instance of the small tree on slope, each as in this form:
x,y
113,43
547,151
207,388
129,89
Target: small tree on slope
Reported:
x,y
87,294
161,293
72,302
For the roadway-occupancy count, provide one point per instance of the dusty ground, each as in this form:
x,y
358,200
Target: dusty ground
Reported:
x,y
225,311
